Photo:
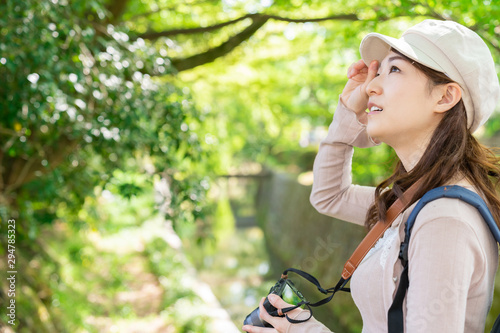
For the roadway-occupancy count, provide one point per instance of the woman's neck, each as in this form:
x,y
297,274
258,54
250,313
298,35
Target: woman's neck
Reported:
x,y
410,151
410,156
410,160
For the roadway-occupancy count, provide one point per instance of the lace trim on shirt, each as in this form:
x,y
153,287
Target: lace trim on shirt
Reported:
x,y
385,244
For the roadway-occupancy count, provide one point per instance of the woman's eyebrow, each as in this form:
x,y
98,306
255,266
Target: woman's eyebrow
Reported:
x,y
396,57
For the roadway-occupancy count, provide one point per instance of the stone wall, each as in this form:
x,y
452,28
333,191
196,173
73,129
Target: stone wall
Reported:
x,y
298,236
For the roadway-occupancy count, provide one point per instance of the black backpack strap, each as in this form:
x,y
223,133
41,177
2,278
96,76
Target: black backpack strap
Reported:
x,y
395,315
496,326
395,318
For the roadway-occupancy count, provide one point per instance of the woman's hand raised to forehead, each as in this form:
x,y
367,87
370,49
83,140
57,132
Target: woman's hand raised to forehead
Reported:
x,y
354,95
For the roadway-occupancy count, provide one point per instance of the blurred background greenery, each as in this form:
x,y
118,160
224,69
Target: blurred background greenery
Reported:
x,y
138,140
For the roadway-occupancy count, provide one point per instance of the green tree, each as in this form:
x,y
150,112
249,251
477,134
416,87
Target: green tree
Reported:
x,y
272,90
176,89
269,72
77,106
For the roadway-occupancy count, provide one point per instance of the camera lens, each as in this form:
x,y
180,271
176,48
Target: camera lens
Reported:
x,y
255,320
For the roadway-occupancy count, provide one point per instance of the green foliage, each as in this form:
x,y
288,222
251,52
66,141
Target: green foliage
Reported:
x,y
274,92
224,222
80,103
76,276
83,112
237,271
172,270
273,107
92,106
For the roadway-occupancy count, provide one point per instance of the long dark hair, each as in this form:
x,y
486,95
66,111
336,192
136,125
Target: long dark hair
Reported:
x,y
452,151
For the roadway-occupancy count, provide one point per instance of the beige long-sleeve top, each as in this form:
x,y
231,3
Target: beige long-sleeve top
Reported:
x,y
453,257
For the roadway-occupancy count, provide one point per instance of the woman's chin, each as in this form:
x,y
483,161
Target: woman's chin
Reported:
x,y
374,133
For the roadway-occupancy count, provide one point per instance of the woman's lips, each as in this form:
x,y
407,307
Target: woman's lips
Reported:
x,y
374,110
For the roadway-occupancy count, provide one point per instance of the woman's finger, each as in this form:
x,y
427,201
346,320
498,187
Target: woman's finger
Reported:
x,y
372,70
360,64
279,323
372,73
356,68
278,302
264,315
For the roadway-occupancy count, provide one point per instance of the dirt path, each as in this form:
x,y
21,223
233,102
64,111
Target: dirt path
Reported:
x,y
144,294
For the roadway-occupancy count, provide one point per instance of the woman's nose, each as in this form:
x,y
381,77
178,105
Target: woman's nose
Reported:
x,y
373,87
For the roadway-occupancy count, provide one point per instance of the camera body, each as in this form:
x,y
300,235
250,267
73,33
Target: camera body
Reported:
x,y
293,297
278,289
254,317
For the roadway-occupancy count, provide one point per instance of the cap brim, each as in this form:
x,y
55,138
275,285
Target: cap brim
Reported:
x,y
376,46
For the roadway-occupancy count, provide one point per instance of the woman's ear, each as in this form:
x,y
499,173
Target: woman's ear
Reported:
x,y
449,95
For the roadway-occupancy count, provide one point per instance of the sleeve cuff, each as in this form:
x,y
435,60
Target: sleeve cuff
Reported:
x,y
346,128
310,326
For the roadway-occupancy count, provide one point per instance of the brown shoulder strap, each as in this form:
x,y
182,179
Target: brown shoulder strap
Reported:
x,y
377,231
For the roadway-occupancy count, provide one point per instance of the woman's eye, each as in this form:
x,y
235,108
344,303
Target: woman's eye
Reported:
x,y
394,69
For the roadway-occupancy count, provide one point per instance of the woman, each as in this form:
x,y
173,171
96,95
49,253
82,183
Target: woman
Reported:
x,y
426,93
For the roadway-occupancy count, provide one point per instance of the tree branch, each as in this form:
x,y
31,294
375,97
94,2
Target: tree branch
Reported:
x,y
258,20
116,8
221,50
153,35
347,17
24,170
8,131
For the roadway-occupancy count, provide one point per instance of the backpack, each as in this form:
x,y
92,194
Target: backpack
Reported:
x,y
395,315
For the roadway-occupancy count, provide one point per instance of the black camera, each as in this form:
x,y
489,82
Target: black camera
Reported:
x,y
292,296
280,289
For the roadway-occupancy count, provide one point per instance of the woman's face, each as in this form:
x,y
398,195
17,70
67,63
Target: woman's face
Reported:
x,y
401,105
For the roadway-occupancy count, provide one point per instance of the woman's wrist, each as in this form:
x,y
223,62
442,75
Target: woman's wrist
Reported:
x,y
361,116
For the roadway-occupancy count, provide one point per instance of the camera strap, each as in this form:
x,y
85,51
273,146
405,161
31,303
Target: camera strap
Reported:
x,y
339,287
353,262
378,230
